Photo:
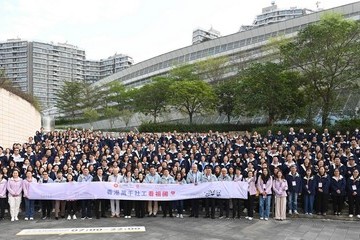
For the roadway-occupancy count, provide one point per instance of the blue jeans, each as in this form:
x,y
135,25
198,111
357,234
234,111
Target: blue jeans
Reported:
x,y
292,205
29,208
308,203
264,203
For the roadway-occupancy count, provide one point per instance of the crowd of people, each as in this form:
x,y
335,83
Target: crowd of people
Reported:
x,y
280,167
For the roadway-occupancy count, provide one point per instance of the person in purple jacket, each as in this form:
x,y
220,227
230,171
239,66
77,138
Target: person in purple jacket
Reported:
x,y
322,191
337,186
29,204
251,195
280,186
309,188
3,183
264,186
14,187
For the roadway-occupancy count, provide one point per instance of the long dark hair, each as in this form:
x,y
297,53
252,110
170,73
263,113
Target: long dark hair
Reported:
x,y
263,177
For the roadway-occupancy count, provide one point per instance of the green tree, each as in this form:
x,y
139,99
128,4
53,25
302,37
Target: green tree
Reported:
x,y
186,72
112,114
91,115
213,69
152,99
269,88
126,116
328,55
227,96
192,97
70,97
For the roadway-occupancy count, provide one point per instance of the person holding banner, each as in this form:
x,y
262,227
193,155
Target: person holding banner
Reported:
x,y
127,203
46,205
14,187
86,208
209,202
59,204
180,203
115,204
167,205
71,204
194,177
264,186
3,183
238,177
140,205
224,203
100,203
153,178
29,203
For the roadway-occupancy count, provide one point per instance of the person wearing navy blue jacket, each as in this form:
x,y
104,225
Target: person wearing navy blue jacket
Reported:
x,y
353,190
294,189
309,189
322,191
337,186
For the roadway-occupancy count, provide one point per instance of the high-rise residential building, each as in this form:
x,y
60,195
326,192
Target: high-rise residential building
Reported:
x,y
200,35
273,14
41,68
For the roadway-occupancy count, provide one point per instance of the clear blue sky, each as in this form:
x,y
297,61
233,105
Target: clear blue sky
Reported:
x,y
140,28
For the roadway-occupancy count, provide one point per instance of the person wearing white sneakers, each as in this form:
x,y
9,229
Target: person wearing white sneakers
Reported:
x,y
71,204
14,187
179,203
29,203
353,187
264,186
251,195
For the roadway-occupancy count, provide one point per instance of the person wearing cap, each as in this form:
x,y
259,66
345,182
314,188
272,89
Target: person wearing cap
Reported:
x,y
224,203
100,204
167,205
153,178
294,185
194,177
59,204
209,202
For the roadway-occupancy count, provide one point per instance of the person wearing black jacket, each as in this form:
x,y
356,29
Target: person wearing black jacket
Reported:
x,y
100,204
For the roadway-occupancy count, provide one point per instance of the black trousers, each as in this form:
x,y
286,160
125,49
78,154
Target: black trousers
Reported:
x,y
209,207
250,205
127,207
338,202
224,207
195,207
3,206
322,202
86,208
102,204
140,209
353,203
46,208
236,207
167,208
71,207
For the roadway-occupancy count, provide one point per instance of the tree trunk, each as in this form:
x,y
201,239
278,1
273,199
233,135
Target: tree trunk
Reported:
x,y
325,115
228,118
271,118
190,117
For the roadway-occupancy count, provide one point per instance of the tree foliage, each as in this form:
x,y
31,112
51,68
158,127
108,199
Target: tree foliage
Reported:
x,y
228,97
269,88
192,97
69,97
328,55
152,98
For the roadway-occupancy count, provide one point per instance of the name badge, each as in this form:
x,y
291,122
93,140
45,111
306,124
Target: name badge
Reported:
x,y
353,187
320,185
293,183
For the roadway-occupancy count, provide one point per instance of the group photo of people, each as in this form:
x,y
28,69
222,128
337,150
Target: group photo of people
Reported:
x,y
290,173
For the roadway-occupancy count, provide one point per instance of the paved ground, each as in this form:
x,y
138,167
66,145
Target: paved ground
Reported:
x,y
195,229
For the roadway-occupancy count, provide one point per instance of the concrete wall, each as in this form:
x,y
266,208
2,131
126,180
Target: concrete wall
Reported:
x,y
18,119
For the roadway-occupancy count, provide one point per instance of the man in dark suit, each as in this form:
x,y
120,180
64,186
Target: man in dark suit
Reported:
x,y
100,203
